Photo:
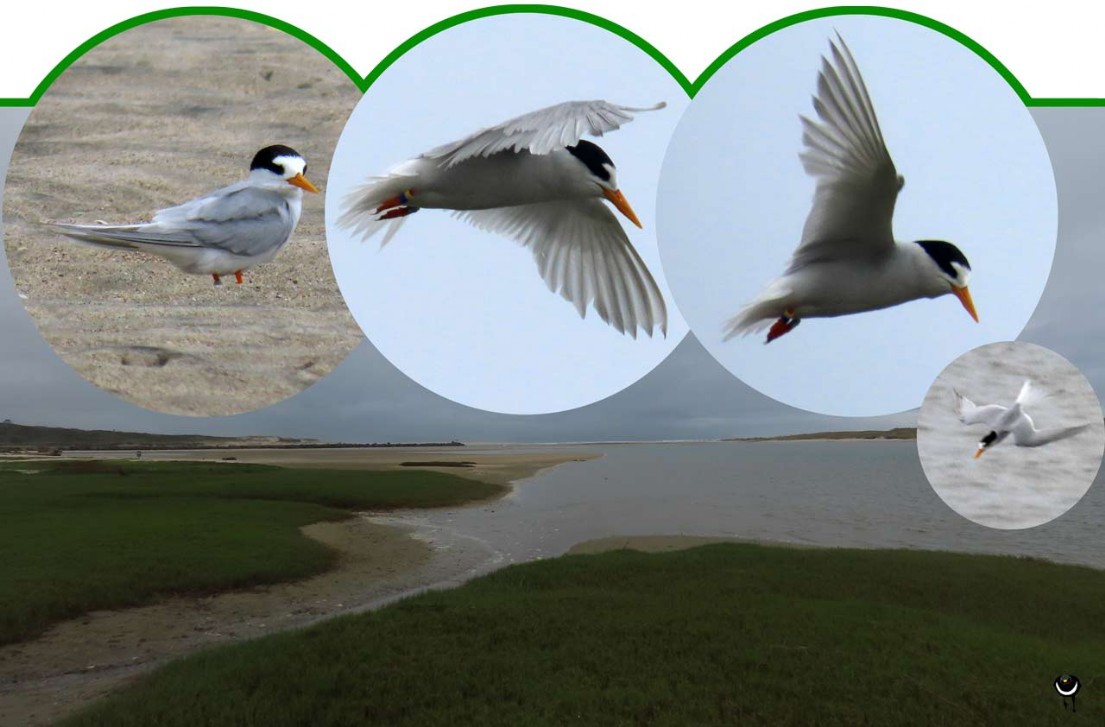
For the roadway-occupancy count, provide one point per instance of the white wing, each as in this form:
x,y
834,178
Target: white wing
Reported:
x,y
1025,433
1029,394
583,253
970,413
857,184
1024,429
541,131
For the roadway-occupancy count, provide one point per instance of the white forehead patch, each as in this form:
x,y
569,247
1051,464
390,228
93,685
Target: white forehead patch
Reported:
x,y
613,181
292,165
962,274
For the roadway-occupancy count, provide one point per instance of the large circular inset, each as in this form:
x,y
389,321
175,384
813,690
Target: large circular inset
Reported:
x,y
158,115
734,199
1011,435
465,312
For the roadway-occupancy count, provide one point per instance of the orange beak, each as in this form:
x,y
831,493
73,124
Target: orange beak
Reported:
x,y
619,201
964,296
979,453
300,181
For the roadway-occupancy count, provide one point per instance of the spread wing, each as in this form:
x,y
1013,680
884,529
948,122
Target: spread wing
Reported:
x,y
1025,433
583,253
857,184
1024,430
970,413
541,131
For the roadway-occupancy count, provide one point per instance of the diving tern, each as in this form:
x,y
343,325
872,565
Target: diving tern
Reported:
x,y
226,231
1014,421
848,261
535,180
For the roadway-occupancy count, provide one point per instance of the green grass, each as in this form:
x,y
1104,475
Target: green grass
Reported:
x,y
78,535
726,634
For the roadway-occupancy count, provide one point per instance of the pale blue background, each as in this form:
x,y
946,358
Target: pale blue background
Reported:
x,y
734,198
465,312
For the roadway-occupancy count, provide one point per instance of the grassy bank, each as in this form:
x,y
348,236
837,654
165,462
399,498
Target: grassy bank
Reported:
x,y
78,536
722,634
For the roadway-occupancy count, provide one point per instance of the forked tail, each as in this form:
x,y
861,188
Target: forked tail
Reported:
x,y
380,202
757,315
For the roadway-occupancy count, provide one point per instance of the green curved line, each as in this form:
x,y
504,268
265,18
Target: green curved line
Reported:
x,y
556,10
690,87
150,17
876,10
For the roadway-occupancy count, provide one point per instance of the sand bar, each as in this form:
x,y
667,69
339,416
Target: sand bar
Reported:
x,y
497,464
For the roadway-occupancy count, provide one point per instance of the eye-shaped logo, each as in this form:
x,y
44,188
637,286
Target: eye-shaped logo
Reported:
x,y
1067,685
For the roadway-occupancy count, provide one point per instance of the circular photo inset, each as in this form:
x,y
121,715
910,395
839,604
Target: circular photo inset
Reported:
x,y
855,192
161,219
1011,435
490,213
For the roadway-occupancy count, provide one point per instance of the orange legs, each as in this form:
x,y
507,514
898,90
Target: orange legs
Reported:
x,y
396,206
784,325
219,281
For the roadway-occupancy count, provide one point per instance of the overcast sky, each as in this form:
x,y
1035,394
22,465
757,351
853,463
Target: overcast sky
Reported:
x,y
689,396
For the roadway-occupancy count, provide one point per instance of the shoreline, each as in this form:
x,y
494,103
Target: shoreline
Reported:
x,y
381,558
496,465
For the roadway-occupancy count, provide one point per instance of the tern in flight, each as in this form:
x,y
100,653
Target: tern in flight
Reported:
x,y
535,180
848,261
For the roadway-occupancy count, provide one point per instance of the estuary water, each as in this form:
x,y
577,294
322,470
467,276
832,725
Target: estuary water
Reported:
x,y
1010,486
868,494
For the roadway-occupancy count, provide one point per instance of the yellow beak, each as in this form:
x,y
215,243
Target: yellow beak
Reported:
x,y
964,296
300,181
622,204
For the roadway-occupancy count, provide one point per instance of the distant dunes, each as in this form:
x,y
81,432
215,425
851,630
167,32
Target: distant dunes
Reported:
x,y
26,438
897,433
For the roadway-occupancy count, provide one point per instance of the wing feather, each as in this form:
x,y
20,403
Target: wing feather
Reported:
x,y
239,219
582,253
857,184
541,131
970,413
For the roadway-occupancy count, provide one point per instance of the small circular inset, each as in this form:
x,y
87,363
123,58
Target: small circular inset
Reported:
x,y
1011,435
490,214
855,192
161,221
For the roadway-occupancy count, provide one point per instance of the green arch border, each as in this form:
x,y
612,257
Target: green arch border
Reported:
x,y
691,87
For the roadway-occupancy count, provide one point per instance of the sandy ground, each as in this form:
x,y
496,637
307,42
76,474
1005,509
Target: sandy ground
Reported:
x,y
381,559
148,119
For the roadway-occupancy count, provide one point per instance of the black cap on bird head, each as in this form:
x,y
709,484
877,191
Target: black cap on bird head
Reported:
x,y
266,158
954,269
593,157
946,256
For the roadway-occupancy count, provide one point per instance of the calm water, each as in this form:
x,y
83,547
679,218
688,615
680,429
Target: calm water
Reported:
x,y
860,494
